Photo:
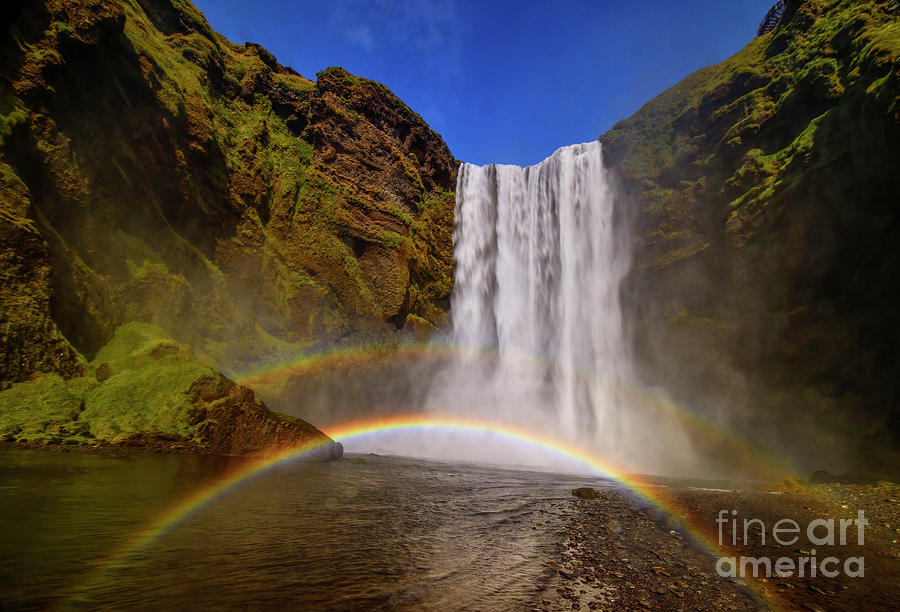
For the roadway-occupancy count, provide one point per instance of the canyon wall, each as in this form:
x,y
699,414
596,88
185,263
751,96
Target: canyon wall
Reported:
x,y
762,197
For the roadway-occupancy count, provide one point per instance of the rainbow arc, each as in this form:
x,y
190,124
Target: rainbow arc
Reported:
x,y
595,465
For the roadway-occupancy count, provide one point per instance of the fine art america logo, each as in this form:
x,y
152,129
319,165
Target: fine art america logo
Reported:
x,y
786,532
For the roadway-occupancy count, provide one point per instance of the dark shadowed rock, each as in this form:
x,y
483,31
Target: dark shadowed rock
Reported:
x,y
584,493
762,193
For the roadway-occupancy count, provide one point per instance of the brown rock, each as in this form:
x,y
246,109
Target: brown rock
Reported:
x,y
104,371
585,493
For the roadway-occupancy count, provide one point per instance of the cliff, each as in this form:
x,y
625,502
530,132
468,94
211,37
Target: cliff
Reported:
x,y
159,181
762,196
154,172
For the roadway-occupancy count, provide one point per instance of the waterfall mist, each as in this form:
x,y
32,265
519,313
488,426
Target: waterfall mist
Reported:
x,y
537,317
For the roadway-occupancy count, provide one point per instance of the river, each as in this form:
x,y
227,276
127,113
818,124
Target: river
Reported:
x,y
374,533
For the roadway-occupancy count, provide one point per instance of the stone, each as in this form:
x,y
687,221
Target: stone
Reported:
x,y
584,493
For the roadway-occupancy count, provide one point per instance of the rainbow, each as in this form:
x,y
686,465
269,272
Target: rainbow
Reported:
x,y
351,356
598,466
756,459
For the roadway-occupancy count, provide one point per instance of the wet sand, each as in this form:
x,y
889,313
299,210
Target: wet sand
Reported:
x,y
619,553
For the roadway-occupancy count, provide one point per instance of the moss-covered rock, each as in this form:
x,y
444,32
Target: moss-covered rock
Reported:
x,y
29,339
147,390
153,393
763,196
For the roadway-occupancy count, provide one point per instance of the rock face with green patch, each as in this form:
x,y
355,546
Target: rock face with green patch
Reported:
x,y
154,172
144,389
169,176
763,197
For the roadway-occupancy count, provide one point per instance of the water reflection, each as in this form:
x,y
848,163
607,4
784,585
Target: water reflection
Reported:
x,y
388,533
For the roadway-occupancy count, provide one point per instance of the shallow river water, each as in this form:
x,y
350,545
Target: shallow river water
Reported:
x,y
389,533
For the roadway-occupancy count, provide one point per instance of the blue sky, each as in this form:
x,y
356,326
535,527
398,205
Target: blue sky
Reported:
x,y
501,81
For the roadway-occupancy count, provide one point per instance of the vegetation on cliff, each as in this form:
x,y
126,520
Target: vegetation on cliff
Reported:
x,y
173,177
190,192
153,171
144,389
763,194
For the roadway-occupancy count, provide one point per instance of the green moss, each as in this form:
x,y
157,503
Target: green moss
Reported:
x,y
409,169
337,250
437,199
12,113
273,345
42,55
398,212
144,399
61,27
44,404
431,254
136,345
390,239
294,83
148,376
194,19
146,268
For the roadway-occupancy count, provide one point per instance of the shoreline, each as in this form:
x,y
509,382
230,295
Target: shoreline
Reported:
x,y
145,445
140,445
619,552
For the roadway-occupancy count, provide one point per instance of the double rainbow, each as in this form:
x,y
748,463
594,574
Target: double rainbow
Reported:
x,y
596,465
753,458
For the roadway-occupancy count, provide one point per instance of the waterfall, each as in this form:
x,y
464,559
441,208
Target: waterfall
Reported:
x,y
535,306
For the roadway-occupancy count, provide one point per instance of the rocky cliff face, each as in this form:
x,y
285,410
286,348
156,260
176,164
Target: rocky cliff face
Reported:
x,y
762,193
154,172
176,178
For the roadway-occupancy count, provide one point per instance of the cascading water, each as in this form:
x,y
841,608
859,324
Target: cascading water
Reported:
x,y
536,309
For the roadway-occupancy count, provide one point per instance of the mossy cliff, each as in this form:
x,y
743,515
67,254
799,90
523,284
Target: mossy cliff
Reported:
x,y
152,171
189,192
176,178
145,390
762,193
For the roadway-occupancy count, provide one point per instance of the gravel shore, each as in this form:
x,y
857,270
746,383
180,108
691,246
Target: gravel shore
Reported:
x,y
620,553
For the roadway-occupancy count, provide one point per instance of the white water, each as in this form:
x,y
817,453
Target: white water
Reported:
x,y
536,308
538,327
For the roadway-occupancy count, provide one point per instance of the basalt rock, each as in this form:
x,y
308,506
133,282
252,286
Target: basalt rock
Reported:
x,y
584,493
230,421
